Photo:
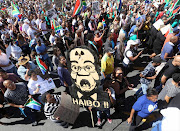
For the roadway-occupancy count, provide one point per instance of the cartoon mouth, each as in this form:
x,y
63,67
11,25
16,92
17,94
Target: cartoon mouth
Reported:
x,y
85,83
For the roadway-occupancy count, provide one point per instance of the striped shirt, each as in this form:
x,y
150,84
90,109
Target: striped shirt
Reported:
x,y
50,108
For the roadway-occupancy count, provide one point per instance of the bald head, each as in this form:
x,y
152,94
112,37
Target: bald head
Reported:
x,y
176,60
9,84
174,39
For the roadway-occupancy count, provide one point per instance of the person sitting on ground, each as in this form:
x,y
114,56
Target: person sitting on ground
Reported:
x,y
7,76
171,88
120,84
148,75
52,102
17,95
142,108
24,67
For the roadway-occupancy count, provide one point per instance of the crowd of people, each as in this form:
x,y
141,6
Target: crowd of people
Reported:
x,y
119,35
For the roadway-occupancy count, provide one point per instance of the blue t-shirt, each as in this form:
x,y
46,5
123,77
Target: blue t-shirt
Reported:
x,y
132,30
168,48
144,106
41,49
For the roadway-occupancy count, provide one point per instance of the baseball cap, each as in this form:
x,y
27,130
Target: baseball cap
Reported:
x,y
110,50
157,59
96,32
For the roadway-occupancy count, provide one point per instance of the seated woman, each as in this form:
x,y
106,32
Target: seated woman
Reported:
x,y
33,90
120,84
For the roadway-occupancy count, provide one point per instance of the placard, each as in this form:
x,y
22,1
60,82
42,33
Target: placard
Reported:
x,y
51,14
158,24
67,111
95,7
46,85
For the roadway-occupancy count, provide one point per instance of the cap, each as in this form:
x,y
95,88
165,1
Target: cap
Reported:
x,y
96,32
132,42
157,59
110,50
26,20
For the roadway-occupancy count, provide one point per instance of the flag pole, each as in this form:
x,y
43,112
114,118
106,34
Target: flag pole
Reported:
x,y
92,118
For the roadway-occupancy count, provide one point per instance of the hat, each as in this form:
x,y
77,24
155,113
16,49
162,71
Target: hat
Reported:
x,y
26,20
96,32
157,59
110,50
132,42
23,60
92,18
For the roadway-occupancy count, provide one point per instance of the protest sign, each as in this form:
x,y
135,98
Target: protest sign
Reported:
x,y
51,14
59,3
158,24
95,7
84,69
67,111
45,86
165,29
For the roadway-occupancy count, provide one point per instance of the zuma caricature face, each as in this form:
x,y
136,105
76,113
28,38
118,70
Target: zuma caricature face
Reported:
x,y
83,70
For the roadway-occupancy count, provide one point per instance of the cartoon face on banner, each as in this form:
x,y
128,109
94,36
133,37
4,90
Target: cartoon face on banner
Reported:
x,y
84,71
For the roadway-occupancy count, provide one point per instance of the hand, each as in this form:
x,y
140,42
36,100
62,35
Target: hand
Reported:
x,y
28,66
30,96
129,120
109,92
115,47
1,106
90,108
57,118
21,106
131,85
154,77
140,52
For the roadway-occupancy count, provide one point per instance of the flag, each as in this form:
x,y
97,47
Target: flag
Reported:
x,y
104,23
43,67
15,11
33,104
169,31
77,8
84,5
55,26
176,7
138,16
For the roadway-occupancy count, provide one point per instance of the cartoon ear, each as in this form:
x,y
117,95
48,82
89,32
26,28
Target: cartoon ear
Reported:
x,y
82,53
76,53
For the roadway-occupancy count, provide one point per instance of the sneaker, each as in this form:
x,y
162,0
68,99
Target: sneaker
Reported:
x,y
110,120
99,122
35,123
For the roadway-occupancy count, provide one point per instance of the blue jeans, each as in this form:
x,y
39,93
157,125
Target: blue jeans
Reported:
x,y
49,63
107,111
142,90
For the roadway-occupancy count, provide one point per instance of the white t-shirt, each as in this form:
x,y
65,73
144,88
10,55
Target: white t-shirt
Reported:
x,y
25,27
42,26
128,54
30,32
32,84
171,119
16,51
4,60
52,39
37,22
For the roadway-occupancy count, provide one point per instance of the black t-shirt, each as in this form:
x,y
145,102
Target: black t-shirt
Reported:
x,y
170,69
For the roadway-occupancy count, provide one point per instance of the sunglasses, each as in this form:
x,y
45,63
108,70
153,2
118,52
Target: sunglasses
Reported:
x,y
119,74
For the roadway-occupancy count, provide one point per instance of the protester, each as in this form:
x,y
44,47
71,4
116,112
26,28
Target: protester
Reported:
x,y
143,107
52,102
